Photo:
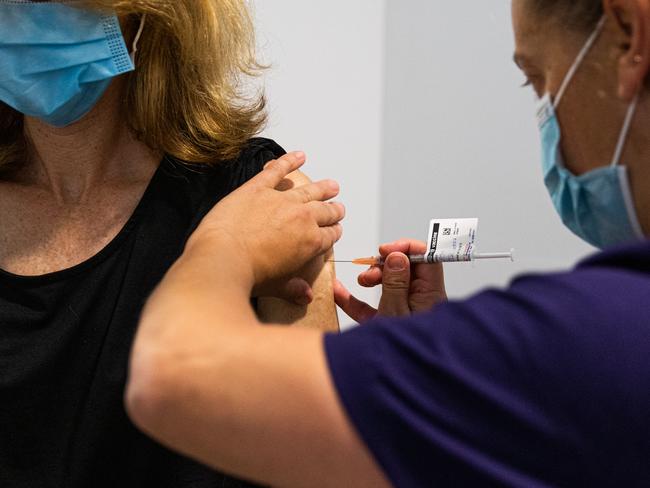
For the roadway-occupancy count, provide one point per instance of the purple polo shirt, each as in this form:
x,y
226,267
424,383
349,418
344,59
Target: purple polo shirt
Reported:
x,y
546,383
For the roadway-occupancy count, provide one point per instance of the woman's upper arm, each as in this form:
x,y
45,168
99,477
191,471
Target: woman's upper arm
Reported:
x,y
320,272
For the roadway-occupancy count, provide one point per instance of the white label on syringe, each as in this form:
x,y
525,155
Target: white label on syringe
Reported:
x,y
451,240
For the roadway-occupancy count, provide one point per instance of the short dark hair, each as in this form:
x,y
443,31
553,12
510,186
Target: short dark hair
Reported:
x,y
578,14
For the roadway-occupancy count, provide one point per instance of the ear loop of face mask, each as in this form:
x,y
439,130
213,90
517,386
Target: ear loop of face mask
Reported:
x,y
137,37
620,145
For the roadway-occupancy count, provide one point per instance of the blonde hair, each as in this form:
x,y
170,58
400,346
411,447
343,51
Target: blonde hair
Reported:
x,y
186,97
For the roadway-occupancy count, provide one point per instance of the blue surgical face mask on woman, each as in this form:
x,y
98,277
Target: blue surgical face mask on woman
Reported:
x,y
56,61
598,205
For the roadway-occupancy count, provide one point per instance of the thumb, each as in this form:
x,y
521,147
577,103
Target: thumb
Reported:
x,y
396,284
297,291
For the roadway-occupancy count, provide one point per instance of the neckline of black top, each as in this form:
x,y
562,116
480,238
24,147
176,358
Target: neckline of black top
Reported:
x,y
104,253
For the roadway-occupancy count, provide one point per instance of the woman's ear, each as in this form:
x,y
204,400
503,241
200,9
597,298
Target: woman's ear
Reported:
x,y
632,19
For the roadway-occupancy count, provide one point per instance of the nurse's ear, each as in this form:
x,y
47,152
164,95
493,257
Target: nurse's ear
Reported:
x,y
632,20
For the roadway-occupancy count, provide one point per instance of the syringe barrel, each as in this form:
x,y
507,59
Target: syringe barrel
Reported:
x,y
447,257
452,257
455,257
419,259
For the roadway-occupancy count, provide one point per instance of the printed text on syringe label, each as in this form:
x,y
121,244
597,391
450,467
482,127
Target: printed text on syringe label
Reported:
x,y
451,240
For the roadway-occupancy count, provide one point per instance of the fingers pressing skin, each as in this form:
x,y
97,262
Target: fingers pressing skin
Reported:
x,y
396,286
327,214
317,192
272,233
359,311
276,171
330,236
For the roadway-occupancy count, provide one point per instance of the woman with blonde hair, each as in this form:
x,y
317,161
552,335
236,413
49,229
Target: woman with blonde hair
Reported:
x,y
122,123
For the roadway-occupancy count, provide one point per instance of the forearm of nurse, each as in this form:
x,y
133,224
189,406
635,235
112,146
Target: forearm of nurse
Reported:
x,y
208,380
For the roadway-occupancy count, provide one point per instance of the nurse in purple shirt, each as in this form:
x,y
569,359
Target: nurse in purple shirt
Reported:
x,y
545,383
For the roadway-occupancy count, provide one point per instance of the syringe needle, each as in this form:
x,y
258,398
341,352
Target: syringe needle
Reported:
x,y
360,261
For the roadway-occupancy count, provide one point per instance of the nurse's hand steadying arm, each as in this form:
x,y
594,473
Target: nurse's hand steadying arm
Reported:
x,y
320,312
209,380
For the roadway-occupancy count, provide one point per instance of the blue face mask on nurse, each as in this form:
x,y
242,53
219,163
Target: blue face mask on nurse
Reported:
x,y
58,75
598,205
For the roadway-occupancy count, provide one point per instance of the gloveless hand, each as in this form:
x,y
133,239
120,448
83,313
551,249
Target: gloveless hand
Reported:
x,y
406,288
272,233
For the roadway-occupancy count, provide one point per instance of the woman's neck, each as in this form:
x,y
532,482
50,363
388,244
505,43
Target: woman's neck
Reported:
x,y
73,161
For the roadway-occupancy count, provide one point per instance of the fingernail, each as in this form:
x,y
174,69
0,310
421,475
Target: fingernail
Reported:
x,y
299,154
396,263
334,185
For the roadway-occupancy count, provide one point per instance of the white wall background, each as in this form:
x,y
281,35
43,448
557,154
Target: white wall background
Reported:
x,y
461,139
325,90
415,106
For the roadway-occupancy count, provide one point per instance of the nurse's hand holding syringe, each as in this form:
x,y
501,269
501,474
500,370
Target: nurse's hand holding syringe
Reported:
x,y
406,288
410,271
449,241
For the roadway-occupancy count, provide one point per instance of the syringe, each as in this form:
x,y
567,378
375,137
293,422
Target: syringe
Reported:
x,y
442,258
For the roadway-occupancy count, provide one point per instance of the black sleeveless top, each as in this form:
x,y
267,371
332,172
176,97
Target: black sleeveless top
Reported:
x,y
65,339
